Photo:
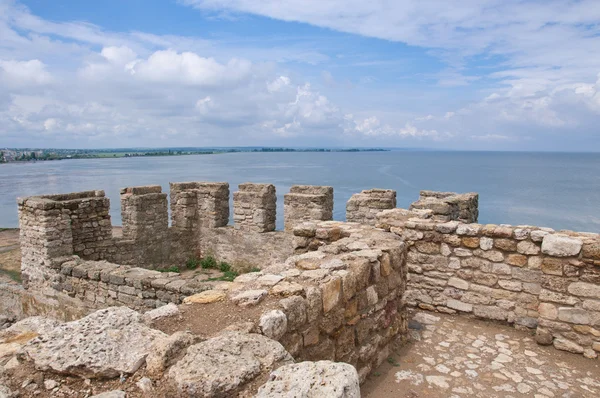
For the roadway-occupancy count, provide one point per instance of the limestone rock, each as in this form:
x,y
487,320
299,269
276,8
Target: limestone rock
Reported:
x,y
249,297
543,336
205,297
161,312
220,366
145,384
111,394
106,343
5,392
567,345
165,351
34,325
273,324
425,318
312,379
561,246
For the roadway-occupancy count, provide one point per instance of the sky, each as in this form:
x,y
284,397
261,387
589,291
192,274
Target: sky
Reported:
x,y
469,75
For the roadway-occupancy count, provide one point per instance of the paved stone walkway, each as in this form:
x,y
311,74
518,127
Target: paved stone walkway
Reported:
x,y
456,357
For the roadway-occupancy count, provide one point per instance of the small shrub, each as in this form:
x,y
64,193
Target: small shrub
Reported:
x,y
192,263
208,262
224,267
392,361
174,268
254,269
228,276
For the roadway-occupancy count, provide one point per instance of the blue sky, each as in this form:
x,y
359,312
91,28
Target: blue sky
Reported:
x,y
482,74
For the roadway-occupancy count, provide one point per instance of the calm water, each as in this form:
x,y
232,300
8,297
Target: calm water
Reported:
x,y
556,190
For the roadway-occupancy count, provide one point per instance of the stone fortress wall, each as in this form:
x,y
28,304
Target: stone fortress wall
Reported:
x,y
431,255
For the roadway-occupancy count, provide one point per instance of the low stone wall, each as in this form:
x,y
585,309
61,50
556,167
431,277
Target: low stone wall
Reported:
x,y
100,284
364,206
307,203
340,302
531,277
448,206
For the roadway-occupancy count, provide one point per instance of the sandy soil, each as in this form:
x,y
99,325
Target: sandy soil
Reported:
x,y
459,357
206,320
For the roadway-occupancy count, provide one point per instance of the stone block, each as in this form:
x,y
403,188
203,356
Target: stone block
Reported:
x,y
561,246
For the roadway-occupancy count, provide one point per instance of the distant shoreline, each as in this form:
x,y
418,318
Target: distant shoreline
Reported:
x,y
10,155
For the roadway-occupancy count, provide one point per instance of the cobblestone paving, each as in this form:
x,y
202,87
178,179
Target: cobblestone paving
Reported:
x,y
457,357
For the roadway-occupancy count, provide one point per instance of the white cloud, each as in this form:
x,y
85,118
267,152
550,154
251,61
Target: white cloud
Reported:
x,y
168,66
24,72
278,84
121,55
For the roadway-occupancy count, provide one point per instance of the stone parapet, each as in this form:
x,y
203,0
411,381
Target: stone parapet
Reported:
x,y
307,203
448,206
527,276
145,222
363,207
196,205
255,207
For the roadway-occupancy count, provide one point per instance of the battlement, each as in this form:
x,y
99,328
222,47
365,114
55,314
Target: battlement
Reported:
x,y
527,276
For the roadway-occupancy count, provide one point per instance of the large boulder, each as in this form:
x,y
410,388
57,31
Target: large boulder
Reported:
x,y
223,365
104,344
16,336
164,352
312,380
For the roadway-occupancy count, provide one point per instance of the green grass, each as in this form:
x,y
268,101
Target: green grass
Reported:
x,y
228,276
208,262
12,274
192,263
254,269
174,268
392,361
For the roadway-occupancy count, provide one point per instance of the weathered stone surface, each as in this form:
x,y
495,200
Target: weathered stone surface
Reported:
x,y
584,289
35,325
459,305
205,297
543,336
106,343
458,283
273,324
220,366
312,380
249,297
111,394
561,246
567,345
331,293
574,315
165,351
161,312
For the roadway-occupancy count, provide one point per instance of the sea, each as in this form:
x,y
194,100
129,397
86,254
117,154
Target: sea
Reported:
x,y
557,190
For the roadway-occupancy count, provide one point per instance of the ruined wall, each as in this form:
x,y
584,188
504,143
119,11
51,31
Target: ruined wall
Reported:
x,y
145,223
245,250
255,207
307,203
448,206
528,276
364,206
361,277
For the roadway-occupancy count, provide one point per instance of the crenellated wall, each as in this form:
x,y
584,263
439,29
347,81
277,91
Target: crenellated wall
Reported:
x,y
531,277
307,203
364,206
448,206
255,207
